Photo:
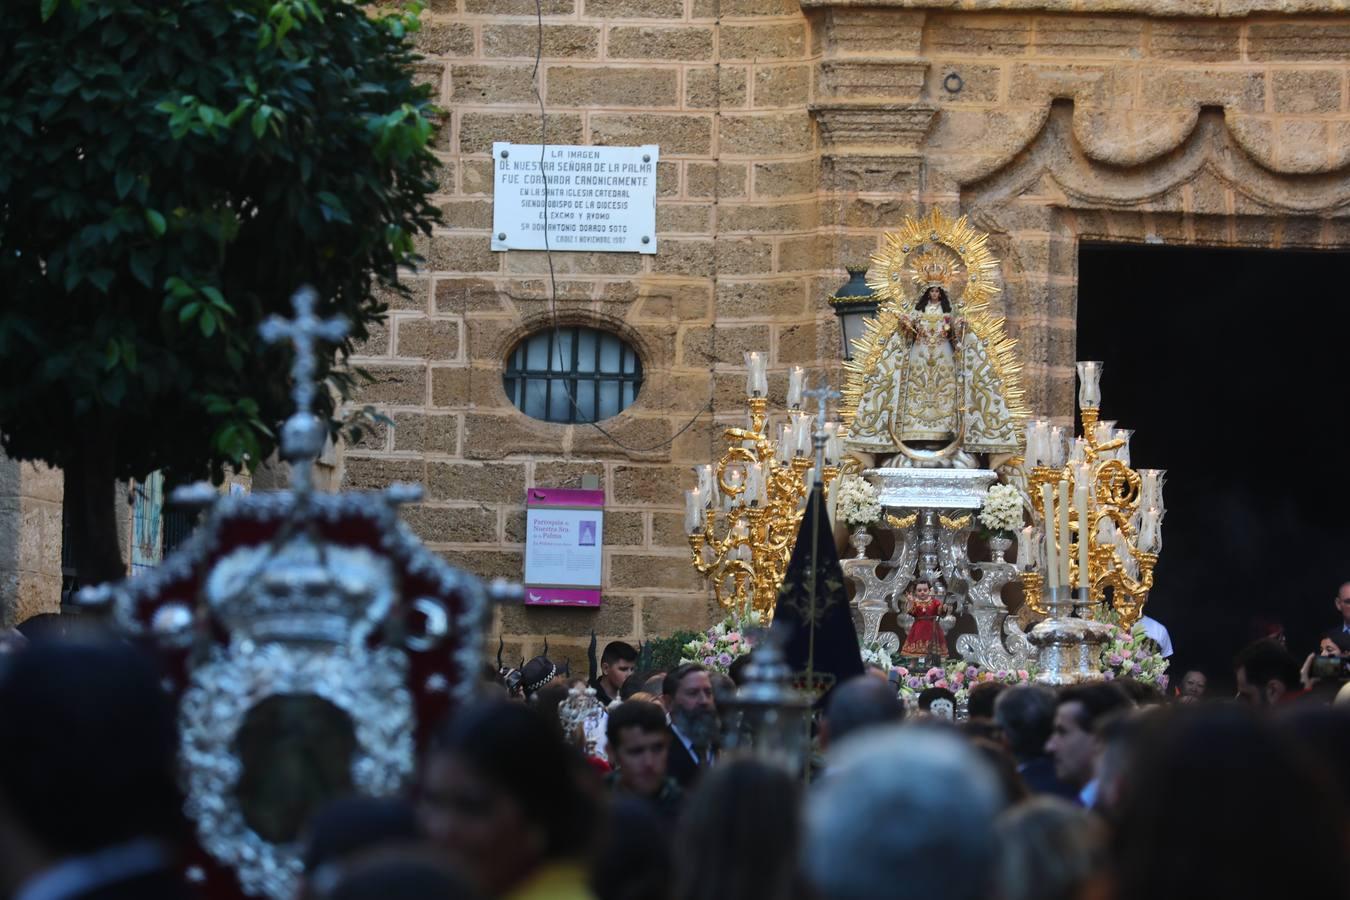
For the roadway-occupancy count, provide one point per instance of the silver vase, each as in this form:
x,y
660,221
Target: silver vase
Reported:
x,y
860,539
998,546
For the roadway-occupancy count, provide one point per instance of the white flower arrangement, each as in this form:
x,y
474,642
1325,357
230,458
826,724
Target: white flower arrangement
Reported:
x,y
723,643
874,654
1002,510
857,503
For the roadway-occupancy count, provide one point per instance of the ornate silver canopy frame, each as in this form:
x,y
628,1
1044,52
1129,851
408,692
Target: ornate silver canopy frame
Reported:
x,y
930,544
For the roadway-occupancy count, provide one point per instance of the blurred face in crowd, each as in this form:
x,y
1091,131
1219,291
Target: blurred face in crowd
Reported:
x,y
1193,686
692,710
694,694
1073,748
641,758
1328,648
1343,602
482,828
1268,694
616,673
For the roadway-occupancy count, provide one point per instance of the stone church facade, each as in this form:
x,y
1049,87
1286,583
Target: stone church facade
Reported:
x,y
793,133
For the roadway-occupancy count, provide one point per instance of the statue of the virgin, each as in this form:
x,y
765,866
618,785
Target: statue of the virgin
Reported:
x,y
933,383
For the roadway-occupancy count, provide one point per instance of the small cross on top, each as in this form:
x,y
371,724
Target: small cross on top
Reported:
x,y
303,435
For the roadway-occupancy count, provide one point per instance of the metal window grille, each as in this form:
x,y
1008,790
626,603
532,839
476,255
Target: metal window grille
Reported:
x,y
572,375
178,526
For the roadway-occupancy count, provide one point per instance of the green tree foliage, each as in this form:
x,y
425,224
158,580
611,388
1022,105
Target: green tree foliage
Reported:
x,y
169,174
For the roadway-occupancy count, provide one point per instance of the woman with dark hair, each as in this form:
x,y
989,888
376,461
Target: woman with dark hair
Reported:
x,y
511,803
739,837
934,294
1216,802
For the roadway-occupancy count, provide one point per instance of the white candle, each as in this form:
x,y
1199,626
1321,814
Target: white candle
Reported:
x,y
754,484
1063,557
1048,505
801,430
1089,387
1056,453
1082,476
787,443
1123,454
1041,434
1079,451
707,485
693,512
756,378
796,382
1148,531
1031,445
1149,493
1026,548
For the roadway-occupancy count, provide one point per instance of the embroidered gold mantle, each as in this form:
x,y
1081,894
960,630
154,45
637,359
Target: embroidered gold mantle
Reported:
x,y
930,376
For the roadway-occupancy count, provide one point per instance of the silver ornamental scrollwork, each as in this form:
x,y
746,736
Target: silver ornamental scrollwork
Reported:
x,y
366,685
874,595
998,642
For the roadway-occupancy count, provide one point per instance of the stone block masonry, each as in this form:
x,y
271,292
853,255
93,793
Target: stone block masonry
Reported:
x,y
793,133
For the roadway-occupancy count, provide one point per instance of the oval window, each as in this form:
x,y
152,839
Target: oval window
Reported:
x,y
572,374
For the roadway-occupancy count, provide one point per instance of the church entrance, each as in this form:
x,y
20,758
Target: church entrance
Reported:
x,y
1233,366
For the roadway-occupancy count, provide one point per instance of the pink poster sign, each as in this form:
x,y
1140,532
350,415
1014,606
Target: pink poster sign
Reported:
x,y
564,546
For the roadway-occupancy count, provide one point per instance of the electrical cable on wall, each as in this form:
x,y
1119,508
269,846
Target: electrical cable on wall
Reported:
x,y
548,255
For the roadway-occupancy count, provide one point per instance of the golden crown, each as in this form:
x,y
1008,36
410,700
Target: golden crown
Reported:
x,y
933,267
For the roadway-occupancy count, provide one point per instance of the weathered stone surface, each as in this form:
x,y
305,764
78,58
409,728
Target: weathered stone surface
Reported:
x,y
715,87
771,133
965,83
451,524
565,474
744,256
360,473
612,86
1237,90
377,342
491,84
1306,90
1089,36
690,218
656,42
634,9
684,257
786,178
1195,41
444,39
488,563
701,347
676,134
468,215
614,616
671,572
482,482
761,42
495,436
752,299
519,7
727,180
395,385
417,433
477,130
782,85
435,339
970,35
626,437
560,41
767,217
664,615
1296,41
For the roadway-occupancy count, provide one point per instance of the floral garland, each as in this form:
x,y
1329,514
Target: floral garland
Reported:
x,y
1134,654
722,644
955,675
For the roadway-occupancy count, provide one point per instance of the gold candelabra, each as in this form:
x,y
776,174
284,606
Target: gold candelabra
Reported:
x,y
742,543
1116,510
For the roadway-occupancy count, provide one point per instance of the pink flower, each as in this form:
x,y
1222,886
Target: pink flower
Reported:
x,y
1128,654
958,677
734,637
901,671
942,684
1024,674
933,673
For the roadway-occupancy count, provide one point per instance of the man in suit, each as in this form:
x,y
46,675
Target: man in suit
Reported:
x,y
687,695
89,809
1026,714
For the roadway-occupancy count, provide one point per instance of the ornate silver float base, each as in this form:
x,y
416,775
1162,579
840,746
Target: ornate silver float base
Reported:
x,y
1069,649
931,488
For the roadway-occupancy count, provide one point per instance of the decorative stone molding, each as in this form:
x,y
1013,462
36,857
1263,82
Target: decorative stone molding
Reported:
x,y
888,127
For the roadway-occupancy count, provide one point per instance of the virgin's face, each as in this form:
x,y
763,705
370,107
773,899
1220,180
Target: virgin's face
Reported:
x,y
934,296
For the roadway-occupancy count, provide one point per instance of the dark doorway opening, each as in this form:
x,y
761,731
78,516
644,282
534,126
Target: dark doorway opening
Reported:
x,y
1233,366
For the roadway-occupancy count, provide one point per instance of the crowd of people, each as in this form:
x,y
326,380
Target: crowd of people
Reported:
x,y
1096,790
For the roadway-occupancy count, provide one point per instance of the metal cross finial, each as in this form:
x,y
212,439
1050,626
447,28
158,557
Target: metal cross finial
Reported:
x,y
302,437
824,394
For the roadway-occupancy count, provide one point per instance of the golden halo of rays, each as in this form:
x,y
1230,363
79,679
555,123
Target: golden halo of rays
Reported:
x,y
895,271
